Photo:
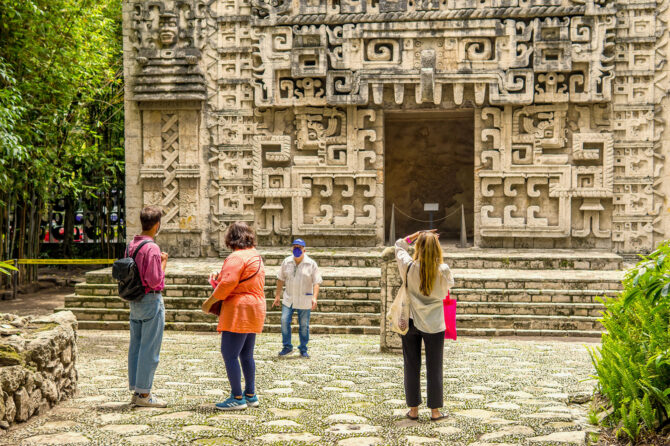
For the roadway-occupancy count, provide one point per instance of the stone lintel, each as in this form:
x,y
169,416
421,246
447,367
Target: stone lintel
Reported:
x,y
170,104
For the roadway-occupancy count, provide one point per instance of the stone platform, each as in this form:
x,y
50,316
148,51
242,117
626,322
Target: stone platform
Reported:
x,y
510,292
497,392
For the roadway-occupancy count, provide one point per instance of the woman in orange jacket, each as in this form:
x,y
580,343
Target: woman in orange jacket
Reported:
x,y
239,287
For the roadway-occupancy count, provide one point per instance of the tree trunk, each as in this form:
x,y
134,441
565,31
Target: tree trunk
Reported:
x,y
68,227
21,229
11,226
33,236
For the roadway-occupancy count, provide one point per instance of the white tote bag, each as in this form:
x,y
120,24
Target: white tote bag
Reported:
x,y
398,314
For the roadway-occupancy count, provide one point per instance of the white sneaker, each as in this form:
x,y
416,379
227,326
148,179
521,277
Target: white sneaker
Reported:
x,y
149,401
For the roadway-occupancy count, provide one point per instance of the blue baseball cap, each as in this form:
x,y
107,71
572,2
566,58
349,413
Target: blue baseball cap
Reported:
x,y
299,242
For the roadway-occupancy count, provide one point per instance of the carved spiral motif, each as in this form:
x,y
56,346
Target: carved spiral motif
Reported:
x,y
381,50
480,49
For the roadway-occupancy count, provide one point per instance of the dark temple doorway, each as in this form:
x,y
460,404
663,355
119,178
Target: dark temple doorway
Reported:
x,y
429,158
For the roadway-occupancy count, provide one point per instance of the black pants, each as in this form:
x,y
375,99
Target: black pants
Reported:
x,y
411,351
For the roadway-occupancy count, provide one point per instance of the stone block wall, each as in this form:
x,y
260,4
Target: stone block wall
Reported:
x,y
37,364
391,282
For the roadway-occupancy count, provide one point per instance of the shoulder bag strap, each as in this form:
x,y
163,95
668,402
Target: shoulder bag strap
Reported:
x,y
254,274
407,274
140,247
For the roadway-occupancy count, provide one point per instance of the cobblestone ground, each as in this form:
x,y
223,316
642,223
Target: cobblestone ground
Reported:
x,y
497,392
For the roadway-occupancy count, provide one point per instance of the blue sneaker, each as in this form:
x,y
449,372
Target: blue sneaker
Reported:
x,y
252,401
304,354
232,403
285,351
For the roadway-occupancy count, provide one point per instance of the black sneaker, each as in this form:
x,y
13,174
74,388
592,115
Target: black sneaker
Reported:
x,y
285,351
304,355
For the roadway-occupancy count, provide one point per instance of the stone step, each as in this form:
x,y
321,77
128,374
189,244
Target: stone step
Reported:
x,y
325,257
315,329
194,303
338,329
530,309
465,278
491,295
365,295
494,332
528,322
272,317
373,293
196,272
73,301
471,258
512,279
193,291
533,259
332,318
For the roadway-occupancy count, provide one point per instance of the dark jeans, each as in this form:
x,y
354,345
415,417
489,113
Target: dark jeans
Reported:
x,y
411,352
236,348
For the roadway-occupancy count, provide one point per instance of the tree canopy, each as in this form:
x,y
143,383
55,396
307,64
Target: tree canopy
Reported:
x,y
61,110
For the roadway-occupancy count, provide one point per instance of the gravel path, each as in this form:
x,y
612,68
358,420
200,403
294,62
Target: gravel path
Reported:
x,y
497,392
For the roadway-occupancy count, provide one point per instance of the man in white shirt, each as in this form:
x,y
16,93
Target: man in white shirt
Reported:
x,y
299,279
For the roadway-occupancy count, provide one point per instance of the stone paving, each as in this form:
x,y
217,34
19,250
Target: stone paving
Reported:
x,y
498,392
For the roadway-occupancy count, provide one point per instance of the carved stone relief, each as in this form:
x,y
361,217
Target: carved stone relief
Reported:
x,y
290,126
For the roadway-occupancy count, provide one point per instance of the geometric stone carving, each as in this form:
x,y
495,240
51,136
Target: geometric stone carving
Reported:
x,y
167,37
287,103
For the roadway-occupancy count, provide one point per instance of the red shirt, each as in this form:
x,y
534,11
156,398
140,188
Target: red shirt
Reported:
x,y
148,261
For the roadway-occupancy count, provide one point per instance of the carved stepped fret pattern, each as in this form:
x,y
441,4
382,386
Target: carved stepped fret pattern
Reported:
x,y
170,153
279,107
641,83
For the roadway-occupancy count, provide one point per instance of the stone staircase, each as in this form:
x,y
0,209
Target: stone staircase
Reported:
x,y
349,299
532,293
499,292
513,302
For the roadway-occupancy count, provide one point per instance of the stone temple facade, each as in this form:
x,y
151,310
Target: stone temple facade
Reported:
x,y
543,118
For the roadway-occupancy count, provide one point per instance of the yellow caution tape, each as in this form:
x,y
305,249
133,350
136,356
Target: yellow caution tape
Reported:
x,y
66,261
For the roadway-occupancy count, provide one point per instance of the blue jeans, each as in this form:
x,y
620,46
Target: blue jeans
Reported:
x,y
236,348
303,320
147,321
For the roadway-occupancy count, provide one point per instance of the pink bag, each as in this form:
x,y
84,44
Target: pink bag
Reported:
x,y
449,317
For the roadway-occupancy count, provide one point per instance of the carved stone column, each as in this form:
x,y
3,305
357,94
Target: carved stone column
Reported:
x,y
165,93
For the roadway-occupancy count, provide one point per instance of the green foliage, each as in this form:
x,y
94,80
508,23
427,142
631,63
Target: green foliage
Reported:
x,y
633,363
6,267
61,110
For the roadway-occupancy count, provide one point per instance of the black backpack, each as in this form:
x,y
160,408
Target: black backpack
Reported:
x,y
126,272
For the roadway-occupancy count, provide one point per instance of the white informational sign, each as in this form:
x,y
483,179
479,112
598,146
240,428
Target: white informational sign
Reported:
x,y
431,207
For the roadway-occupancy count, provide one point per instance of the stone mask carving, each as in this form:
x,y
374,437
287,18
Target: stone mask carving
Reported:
x,y
168,29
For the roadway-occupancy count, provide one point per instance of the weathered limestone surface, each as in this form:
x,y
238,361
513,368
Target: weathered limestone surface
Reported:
x,y
274,113
37,364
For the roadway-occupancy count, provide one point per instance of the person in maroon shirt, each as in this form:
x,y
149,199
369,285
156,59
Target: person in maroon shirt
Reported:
x,y
147,314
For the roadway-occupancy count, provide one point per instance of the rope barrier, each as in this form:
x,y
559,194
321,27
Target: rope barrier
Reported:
x,y
427,221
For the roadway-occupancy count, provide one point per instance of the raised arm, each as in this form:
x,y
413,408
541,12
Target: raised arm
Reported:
x,y
402,256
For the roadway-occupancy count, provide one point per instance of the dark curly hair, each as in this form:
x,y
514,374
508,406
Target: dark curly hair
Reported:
x,y
240,236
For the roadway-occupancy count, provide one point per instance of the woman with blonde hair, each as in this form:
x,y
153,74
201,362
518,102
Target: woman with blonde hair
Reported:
x,y
428,281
